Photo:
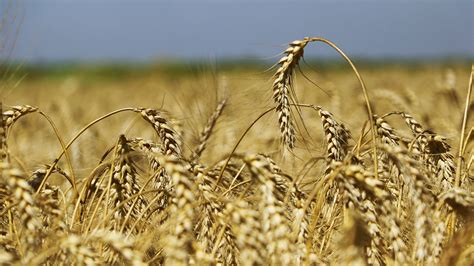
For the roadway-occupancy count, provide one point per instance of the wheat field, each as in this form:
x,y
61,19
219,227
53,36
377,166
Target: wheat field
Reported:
x,y
292,165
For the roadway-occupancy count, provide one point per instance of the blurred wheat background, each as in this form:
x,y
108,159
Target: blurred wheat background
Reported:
x,y
107,158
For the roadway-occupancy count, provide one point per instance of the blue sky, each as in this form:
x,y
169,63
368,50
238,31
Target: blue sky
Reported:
x,y
148,30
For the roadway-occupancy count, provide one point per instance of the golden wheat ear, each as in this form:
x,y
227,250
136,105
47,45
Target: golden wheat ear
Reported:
x,y
282,86
276,226
207,131
337,136
12,115
124,185
162,127
180,245
284,95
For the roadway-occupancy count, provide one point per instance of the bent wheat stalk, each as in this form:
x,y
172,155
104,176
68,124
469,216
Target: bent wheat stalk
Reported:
x,y
282,90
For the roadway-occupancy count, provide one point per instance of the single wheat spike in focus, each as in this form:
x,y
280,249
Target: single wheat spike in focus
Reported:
x,y
282,86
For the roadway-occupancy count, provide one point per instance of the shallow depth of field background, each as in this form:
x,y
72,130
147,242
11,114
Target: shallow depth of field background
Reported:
x,y
76,96
78,60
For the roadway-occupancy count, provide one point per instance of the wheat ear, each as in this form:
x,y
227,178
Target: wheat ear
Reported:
x,y
282,87
163,129
207,131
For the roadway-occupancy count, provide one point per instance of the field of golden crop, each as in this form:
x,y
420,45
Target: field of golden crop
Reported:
x,y
239,166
